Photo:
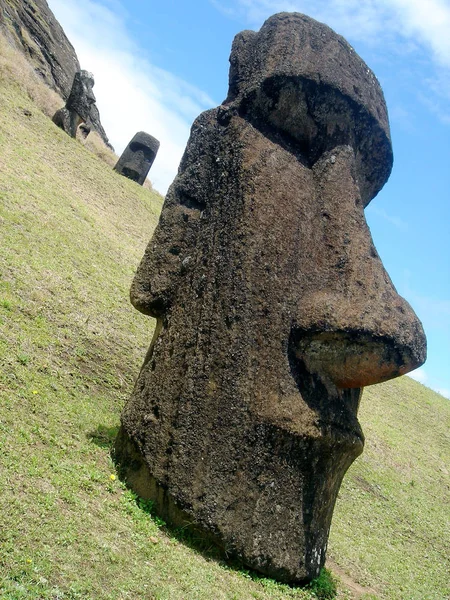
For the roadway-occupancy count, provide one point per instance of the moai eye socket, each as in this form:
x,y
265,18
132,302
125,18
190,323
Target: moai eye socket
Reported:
x,y
310,119
313,94
148,153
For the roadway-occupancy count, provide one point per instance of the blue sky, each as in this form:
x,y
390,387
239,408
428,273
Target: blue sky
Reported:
x,y
157,65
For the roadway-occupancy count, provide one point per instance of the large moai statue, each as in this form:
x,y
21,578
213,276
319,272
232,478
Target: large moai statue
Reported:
x,y
138,157
273,307
78,105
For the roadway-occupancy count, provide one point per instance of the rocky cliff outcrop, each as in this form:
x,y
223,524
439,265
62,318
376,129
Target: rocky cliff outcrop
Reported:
x,y
31,27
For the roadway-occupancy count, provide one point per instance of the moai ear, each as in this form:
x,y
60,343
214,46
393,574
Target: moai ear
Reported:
x,y
169,255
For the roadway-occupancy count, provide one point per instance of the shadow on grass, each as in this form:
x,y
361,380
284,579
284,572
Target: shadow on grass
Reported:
x,y
322,588
103,436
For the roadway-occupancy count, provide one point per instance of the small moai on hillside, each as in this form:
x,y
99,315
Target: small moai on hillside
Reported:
x,y
138,157
273,307
78,105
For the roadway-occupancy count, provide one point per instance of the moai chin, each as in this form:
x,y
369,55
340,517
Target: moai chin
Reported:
x,y
78,105
138,157
273,307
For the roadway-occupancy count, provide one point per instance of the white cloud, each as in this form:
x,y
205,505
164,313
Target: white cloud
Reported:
x,y
419,375
380,212
132,94
422,377
424,21
401,28
428,20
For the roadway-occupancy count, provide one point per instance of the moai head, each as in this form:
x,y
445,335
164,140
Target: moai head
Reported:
x,y
304,87
273,306
81,96
138,157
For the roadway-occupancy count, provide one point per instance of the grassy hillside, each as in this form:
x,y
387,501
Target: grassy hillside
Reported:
x,y
71,234
391,529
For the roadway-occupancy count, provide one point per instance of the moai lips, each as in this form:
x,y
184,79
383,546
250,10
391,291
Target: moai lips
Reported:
x,y
273,306
138,157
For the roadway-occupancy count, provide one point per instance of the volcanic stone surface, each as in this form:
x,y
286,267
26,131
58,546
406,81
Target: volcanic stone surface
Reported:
x,y
31,27
273,308
138,157
78,105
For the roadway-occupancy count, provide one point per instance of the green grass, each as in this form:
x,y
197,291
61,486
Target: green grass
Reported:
x,y
71,345
72,232
391,528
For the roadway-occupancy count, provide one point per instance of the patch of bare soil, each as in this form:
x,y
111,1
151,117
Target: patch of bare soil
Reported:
x,y
356,590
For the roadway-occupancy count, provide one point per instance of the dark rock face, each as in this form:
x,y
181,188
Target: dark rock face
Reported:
x,y
273,308
81,97
138,157
31,27
78,105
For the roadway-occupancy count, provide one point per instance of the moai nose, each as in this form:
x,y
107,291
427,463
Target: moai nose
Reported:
x,y
315,96
353,329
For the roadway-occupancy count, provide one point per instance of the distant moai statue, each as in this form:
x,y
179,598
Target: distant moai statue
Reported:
x,y
78,105
273,307
138,157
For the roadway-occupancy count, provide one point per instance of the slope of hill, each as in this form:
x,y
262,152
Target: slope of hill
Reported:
x,y
31,28
72,232
391,529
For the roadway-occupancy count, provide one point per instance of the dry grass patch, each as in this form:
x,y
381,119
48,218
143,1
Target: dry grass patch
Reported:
x,y
14,67
95,144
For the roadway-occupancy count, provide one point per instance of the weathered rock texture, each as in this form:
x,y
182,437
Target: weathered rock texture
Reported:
x,y
273,308
31,27
78,105
138,157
